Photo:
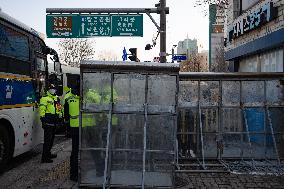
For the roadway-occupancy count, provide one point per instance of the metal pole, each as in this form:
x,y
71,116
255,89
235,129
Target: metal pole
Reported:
x,y
105,10
220,119
173,52
268,117
108,150
200,125
145,132
163,39
154,22
80,128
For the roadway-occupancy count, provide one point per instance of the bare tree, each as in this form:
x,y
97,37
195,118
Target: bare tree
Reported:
x,y
72,51
196,63
223,4
220,65
107,55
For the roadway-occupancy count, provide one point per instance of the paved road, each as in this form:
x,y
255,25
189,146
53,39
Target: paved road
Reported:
x,y
26,171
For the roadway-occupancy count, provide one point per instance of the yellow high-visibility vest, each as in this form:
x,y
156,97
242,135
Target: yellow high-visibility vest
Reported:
x,y
74,109
88,120
46,105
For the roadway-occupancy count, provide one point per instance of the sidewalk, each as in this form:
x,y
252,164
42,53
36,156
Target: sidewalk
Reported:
x,y
32,174
228,181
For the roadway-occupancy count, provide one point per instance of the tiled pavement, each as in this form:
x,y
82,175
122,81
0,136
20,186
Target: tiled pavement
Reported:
x,y
227,180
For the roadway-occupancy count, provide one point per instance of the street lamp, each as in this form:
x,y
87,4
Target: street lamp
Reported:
x,y
173,52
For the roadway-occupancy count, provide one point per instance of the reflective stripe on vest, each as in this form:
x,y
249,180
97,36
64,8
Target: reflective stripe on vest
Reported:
x,y
74,117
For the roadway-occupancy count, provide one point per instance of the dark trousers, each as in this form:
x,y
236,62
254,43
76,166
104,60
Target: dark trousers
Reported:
x,y
95,139
49,132
98,155
74,153
67,129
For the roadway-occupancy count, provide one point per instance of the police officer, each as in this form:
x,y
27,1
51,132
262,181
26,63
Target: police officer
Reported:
x,y
50,112
71,113
91,132
92,96
68,94
106,99
67,91
102,122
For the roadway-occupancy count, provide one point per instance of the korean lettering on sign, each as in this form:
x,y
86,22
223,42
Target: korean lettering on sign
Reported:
x,y
252,20
127,25
95,25
59,26
62,23
80,26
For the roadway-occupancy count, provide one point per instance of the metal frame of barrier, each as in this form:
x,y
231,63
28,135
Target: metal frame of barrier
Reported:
x,y
231,122
138,151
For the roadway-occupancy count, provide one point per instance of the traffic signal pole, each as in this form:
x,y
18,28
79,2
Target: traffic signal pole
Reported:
x,y
105,10
163,36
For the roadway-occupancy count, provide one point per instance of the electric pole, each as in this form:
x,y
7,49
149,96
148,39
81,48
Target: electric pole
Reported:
x,y
163,43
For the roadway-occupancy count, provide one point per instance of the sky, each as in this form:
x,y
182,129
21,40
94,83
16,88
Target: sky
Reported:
x,y
183,20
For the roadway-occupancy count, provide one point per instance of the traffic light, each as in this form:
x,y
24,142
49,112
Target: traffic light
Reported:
x,y
148,47
133,56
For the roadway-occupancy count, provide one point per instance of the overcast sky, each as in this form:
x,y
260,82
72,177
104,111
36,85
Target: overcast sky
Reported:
x,y
184,19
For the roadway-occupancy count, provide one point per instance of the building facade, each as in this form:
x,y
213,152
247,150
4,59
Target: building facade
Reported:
x,y
255,35
216,34
188,47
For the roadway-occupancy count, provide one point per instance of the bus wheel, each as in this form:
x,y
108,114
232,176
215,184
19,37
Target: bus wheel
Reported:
x,y
4,147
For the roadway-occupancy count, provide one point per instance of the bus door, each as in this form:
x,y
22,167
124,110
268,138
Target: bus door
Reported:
x,y
39,83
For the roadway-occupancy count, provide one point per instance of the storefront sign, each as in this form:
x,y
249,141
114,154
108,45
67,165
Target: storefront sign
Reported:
x,y
250,21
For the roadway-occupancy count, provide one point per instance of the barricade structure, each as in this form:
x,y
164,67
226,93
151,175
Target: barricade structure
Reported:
x,y
231,122
128,121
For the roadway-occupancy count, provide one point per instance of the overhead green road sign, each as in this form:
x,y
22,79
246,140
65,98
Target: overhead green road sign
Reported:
x,y
83,26
95,25
60,26
127,25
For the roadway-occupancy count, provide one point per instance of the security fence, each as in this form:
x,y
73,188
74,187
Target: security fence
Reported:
x,y
231,122
128,124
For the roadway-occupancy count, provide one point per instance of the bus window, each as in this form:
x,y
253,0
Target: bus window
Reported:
x,y
39,45
14,51
40,64
57,67
13,44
